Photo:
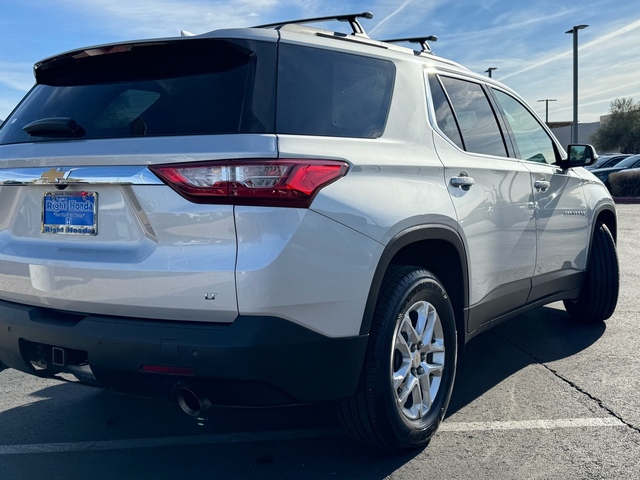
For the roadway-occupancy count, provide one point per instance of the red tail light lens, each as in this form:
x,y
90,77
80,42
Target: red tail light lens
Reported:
x,y
287,183
168,370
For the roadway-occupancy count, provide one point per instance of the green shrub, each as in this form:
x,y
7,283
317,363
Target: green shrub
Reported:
x,y
625,183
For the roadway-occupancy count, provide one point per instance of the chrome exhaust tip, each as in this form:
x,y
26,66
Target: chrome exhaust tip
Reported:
x,y
191,402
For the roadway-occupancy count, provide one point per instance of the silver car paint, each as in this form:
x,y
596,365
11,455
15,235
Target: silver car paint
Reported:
x,y
301,266
157,255
496,218
562,220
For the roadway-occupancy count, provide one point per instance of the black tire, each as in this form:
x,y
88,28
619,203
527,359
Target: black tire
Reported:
x,y
599,295
378,415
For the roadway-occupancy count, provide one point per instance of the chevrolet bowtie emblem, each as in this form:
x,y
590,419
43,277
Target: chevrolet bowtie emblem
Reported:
x,y
52,176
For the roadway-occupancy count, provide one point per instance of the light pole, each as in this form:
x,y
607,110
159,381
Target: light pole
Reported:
x,y
489,70
574,128
546,101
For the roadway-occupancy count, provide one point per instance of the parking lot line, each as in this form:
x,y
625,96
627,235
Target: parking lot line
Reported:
x,y
192,440
531,424
170,441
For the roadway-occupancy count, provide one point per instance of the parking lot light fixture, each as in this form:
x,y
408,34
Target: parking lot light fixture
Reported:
x,y
546,109
574,128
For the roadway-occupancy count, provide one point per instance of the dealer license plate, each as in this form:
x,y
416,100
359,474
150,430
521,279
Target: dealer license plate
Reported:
x,y
70,214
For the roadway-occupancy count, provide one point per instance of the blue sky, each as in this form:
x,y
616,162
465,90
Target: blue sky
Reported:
x,y
525,41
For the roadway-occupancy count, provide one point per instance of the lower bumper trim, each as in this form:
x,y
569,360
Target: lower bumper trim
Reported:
x,y
253,361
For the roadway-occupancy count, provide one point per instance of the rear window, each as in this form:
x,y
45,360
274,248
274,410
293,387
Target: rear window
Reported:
x,y
203,87
194,87
327,93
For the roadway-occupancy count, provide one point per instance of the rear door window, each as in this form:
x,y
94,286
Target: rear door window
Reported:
x,y
444,115
476,120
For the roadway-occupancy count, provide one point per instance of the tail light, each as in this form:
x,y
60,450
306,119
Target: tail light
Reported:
x,y
286,183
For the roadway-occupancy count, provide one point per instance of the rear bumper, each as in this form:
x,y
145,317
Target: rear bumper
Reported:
x,y
252,361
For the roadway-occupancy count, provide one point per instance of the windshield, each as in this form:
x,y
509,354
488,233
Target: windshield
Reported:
x,y
628,162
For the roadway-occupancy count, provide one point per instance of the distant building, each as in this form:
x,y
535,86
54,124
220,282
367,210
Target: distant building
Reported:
x,y
562,131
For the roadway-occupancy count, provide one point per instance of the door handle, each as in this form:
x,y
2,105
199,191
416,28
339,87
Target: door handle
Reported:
x,y
541,185
463,181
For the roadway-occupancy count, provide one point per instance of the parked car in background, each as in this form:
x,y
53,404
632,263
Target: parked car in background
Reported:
x,y
632,161
605,161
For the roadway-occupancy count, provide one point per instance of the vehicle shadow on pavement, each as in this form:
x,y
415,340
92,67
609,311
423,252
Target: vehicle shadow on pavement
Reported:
x,y
114,436
542,335
74,429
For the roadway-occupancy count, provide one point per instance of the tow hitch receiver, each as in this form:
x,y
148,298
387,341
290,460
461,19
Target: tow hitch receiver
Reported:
x,y
58,357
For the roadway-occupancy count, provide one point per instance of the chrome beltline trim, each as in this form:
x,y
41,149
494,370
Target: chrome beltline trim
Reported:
x,y
120,175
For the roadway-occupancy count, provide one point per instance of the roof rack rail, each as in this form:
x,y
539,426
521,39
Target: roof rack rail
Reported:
x,y
352,18
426,48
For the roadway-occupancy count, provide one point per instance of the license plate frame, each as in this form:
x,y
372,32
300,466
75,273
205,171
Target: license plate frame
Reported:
x,y
72,213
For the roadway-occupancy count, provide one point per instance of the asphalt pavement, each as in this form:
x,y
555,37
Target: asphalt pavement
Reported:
x,y
536,397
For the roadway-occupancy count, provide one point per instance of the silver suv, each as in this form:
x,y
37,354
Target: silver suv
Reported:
x,y
285,214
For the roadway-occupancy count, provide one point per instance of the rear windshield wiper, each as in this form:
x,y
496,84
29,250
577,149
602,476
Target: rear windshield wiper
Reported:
x,y
54,127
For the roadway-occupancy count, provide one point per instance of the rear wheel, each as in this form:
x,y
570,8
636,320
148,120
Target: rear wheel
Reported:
x,y
409,366
599,295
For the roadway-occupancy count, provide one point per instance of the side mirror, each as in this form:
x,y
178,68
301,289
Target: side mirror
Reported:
x,y
580,156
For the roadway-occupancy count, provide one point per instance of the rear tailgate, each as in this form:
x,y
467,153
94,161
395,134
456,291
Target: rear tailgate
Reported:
x,y
115,239
85,226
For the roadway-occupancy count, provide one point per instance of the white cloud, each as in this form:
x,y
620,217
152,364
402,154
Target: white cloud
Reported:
x,y
526,42
608,67
159,18
15,80
601,43
388,17
402,17
16,76
533,55
526,17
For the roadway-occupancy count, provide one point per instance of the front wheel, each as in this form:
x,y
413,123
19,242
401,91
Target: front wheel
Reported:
x,y
409,366
599,295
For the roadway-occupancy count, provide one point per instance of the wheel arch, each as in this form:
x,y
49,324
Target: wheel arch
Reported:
x,y
607,215
600,286
438,249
